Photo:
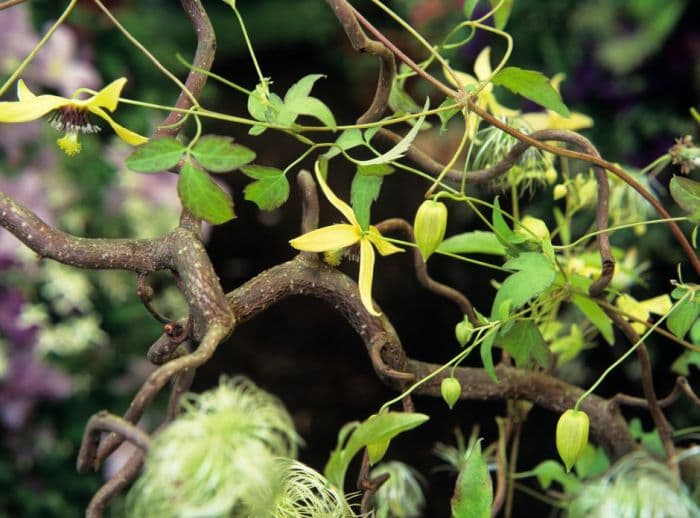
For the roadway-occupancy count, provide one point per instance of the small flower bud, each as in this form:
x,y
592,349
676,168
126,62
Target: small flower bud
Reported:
x,y
429,226
550,175
533,228
560,191
376,451
572,436
451,390
463,331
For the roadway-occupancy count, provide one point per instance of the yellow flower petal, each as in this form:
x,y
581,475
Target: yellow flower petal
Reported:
x,y
463,77
383,246
327,238
30,109
339,204
108,97
658,305
125,134
23,91
482,65
366,275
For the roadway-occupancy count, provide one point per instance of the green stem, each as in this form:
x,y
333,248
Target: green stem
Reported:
x,y
136,43
37,48
261,78
629,351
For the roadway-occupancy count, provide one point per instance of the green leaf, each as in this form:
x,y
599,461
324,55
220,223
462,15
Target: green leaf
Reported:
x,y
258,103
525,344
475,242
219,154
363,192
302,88
468,8
503,231
446,115
355,436
399,100
401,147
348,139
592,462
551,470
682,317
202,196
155,156
532,85
686,193
535,274
270,188
487,357
682,364
311,106
473,494
650,440
375,170
500,17
590,309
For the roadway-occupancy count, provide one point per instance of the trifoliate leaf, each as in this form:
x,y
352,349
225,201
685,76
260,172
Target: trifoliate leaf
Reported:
x,y
535,274
532,85
270,188
202,196
219,154
155,156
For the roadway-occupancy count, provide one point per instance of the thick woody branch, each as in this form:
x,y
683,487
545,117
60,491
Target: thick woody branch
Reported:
x,y
203,59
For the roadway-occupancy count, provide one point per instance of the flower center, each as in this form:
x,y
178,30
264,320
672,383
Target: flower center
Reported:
x,y
72,119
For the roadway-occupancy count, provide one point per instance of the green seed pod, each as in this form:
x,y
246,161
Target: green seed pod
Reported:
x,y
429,226
376,451
451,390
572,436
464,331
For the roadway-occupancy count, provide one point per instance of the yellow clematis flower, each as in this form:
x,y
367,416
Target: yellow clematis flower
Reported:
x,y
70,115
342,235
486,98
641,309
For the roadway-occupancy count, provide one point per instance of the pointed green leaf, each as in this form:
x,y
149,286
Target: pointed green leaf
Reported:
x,y
503,231
686,193
487,357
375,170
364,192
535,274
682,364
475,242
270,188
473,494
446,115
682,317
302,88
348,139
590,309
468,8
376,429
500,17
155,156
202,196
552,471
401,147
532,85
219,154
525,344
311,106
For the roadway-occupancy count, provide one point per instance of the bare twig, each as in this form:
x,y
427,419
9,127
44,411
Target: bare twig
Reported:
x,y
114,486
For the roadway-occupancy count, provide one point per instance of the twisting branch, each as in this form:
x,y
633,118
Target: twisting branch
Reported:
x,y
115,485
361,43
462,302
470,103
203,59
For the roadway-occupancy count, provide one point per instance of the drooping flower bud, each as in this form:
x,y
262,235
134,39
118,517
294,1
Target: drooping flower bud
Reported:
x,y
533,228
572,436
429,226
451,390
463,331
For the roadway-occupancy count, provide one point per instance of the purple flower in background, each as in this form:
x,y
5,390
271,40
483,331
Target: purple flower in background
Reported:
x,y
27,378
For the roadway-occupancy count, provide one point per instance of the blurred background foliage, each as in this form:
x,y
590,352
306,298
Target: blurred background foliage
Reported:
x,y
73,343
